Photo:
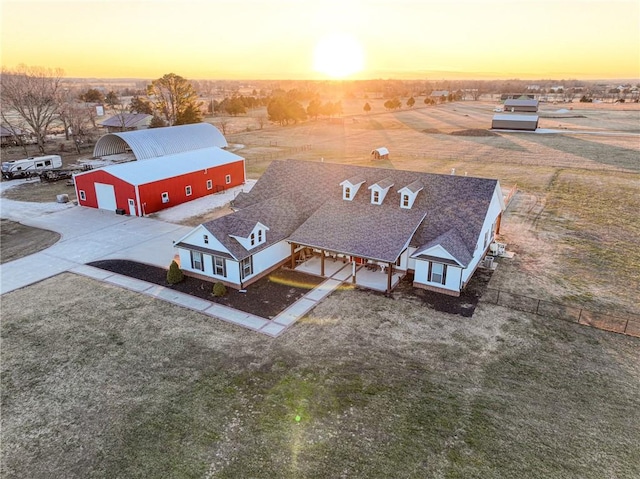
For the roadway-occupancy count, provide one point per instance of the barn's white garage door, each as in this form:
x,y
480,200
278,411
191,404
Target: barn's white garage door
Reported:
x,y
106,196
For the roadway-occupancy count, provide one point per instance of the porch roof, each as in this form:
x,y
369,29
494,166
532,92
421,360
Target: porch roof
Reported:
x,y
359,229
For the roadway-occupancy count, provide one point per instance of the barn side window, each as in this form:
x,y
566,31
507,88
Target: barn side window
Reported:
x,y
83,195
209,184
165,197
227,179
187,190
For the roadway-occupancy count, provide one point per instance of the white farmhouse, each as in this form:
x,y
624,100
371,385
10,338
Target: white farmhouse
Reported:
x,y
370,226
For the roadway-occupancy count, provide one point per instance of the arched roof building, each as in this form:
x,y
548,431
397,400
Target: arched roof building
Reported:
x,y
155,142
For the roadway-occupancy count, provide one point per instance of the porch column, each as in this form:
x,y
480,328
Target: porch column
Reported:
x,y
353,271
293,256
322,263
389,276
498,224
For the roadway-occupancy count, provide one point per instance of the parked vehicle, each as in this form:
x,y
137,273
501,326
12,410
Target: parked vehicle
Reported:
x,y
30,166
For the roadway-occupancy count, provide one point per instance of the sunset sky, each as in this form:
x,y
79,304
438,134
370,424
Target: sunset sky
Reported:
x,y
277,39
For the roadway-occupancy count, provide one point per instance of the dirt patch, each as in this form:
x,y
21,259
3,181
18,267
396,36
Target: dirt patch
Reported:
x,y
34,190
473,132
265,298
17,240
464,305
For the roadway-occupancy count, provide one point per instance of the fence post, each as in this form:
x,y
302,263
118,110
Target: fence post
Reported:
x,y
498,297
537,306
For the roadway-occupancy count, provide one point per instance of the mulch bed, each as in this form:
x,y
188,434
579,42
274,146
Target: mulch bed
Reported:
x,y
473,132
464,305
265,298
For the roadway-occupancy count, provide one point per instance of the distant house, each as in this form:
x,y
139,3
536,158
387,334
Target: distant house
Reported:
x,y
369,226
519,105
173,165
439,95
514,122
381,153
127,122
12,136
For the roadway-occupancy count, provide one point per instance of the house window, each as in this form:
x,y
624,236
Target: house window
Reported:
x,y
253,239
209,184
196,260
259,236
246,267
187,190
206,239
227,179
165,197
347,193
83,195
405,201
437,273
219,266
376,197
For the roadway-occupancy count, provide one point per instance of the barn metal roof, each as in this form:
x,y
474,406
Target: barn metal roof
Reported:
x,y
155,169
512,117
155,142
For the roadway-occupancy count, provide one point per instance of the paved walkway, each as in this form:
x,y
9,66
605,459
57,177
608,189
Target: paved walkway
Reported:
x,y
89,234
273,327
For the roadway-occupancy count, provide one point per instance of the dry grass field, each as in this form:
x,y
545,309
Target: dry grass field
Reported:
x,y
104,383
100,382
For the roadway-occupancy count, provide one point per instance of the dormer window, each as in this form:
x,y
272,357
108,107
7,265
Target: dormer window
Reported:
x,y
253,239
260,236
350,188
409,193
250,234
379,191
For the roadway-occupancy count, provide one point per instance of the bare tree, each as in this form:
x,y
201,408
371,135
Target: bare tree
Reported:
x,y
32,92
223,124
174,97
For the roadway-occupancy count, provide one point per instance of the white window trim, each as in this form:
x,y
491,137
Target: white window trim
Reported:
x,y
227,179
209,184
215,266
165,196
200,261
83,195
188,191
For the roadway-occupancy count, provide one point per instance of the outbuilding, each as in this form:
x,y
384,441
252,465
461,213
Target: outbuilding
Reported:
x,y
521,105
381,153
142,187
515,122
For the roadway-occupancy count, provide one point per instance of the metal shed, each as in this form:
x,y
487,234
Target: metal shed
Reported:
x,y
155,142
515,122
520,105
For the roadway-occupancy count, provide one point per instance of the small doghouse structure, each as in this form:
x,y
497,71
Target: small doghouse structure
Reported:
x,y
514,122
380,154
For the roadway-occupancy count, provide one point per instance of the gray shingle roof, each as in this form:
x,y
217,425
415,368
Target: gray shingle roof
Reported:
x,y
453,243
302,201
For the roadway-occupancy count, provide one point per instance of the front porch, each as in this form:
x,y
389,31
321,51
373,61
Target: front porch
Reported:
x,y
371,276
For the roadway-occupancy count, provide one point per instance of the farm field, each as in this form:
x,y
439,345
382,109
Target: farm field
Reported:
x,y
102,382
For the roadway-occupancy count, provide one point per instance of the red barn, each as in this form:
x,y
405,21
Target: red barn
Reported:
x,y
146,186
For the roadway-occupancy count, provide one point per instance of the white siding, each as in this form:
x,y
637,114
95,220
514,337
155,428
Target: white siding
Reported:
x,y
411,263
270,256
196,238
452,281
495,208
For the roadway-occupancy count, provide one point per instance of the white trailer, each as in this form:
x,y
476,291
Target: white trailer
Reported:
x,y
30,166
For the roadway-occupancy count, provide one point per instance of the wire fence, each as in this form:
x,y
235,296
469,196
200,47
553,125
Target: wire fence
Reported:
x,y
628,325
281,153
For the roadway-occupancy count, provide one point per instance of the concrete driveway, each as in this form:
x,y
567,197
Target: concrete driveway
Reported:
x,y
87,235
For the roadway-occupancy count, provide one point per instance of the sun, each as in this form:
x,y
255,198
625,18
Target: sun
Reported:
x,y
338,55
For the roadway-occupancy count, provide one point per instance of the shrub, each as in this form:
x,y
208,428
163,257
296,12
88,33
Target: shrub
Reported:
x,y
175,274
219,290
